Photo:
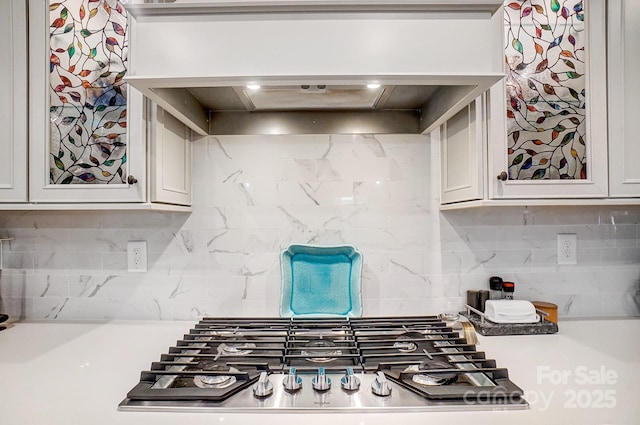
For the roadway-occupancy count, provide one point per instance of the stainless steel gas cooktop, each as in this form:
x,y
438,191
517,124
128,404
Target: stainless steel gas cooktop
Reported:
x,y
323,364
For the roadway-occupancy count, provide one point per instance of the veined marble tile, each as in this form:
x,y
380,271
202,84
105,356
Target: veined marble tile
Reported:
x,y
33,285
496,261
268,147
366,169
406,262
204,217
625,257
24,239
121,287
138,308
260,308
263,240
265,217
298,169
620,236
115,262
625,305
354,146
188,309
388,192
263,287
264,263
18,262
133,220
403,286
255,195
324,194
67,309
216,264
230,288
16,308
377,261
61,262
578,305
227,194
370,238
449,262
558,216
327,172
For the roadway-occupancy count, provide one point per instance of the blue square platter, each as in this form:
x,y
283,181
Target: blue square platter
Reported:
x,y
321,281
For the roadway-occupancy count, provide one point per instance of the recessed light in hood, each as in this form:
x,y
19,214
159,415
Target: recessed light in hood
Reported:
x,y
311,97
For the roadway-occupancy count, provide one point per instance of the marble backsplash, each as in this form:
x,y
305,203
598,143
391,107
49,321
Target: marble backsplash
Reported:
x,y
254,195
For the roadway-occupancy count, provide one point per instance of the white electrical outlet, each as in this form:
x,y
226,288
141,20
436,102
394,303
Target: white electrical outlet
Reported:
x,y
137,256
567,248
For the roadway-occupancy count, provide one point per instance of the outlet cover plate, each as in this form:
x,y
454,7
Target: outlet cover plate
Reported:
x,y
137,256
567,249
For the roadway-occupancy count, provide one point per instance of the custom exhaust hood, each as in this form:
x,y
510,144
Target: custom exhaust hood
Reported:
x,y
313,66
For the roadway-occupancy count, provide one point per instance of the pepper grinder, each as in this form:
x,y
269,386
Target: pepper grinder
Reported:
x,y
495,284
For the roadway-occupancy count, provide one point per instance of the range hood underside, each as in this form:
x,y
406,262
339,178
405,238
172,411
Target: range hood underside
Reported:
x,y
412,109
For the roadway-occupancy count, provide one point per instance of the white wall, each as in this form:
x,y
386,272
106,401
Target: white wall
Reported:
x,y
253,195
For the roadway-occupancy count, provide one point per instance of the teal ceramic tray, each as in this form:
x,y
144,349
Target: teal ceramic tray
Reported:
x,y
321,281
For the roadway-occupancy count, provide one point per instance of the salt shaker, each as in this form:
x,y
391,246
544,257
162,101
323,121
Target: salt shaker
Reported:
x,y
508,288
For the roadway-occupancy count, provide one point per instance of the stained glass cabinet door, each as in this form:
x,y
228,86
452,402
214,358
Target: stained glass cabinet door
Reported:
x,y
87,130
548,126
13,108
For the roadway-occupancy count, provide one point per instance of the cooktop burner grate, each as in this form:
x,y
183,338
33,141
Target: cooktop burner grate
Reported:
x,y
323,364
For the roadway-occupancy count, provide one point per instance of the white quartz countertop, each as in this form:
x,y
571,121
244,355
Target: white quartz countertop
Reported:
x,y
77,373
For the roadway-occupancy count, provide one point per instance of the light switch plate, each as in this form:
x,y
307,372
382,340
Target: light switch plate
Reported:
x,y
137,256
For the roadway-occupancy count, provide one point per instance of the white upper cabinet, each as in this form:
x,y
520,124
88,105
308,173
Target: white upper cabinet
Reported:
x,y
547,138
624,92
170,158
548,120
13,105
86,130
92,138
462,139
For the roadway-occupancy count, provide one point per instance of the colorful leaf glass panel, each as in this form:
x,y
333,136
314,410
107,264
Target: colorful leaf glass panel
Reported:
x,y
88,96
545,65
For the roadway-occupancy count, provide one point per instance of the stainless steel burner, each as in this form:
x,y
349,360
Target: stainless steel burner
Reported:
x,y
214,381
428,380
237,349
223,333
432,379
405,345
321,347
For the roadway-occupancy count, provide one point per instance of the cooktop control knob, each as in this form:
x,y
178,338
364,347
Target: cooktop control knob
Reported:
x,y
349,381
380,386
292,382
320,382
264,387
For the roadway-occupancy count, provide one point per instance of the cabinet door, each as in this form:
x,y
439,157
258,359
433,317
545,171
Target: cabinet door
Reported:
x,y
548,121
624,92
462,141
13,104
86,127
170,158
